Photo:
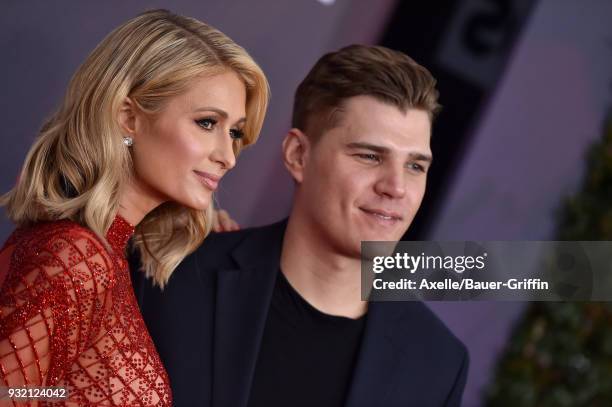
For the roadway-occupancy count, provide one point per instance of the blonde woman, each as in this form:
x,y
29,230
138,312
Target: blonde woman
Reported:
x,y
150,122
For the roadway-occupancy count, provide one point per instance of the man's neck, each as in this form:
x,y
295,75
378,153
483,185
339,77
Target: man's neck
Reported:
x,y
329,281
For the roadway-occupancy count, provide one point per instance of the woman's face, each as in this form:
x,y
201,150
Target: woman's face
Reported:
x,y
181,153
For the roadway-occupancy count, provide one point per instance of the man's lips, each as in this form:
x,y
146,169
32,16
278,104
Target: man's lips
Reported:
x,y
209,180
382,214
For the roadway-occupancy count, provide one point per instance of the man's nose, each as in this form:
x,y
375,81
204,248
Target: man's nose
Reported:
x,y
391,183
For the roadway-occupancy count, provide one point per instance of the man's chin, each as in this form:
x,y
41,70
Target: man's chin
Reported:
x,y
382,233
381,237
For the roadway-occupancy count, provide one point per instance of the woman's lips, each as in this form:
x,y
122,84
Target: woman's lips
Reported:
x,y
210,181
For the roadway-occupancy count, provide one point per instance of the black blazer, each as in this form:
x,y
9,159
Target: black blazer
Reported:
x,y
208,322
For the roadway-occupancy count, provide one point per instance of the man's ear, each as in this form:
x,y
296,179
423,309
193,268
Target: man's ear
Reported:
x,y
296,149
127,117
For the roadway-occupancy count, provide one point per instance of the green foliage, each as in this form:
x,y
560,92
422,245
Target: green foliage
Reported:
x,y
588,215
560,354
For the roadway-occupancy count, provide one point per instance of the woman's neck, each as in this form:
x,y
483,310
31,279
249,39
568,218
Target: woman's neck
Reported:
x,y
137,200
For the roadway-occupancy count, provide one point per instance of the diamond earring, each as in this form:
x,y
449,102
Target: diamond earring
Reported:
x,y
128,141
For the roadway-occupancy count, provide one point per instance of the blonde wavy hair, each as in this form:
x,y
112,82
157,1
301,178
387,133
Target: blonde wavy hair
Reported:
x,y
78,164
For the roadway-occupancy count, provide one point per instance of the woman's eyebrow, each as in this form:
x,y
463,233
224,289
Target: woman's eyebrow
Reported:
x,y
220,112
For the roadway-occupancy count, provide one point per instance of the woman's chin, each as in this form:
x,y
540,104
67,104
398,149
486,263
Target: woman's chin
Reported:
x,y
198,205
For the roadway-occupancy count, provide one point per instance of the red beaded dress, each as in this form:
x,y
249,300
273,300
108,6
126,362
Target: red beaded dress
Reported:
x,y
69,317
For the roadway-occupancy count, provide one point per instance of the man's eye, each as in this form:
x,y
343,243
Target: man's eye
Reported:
x,y
236,134
206,124
369,157
417,167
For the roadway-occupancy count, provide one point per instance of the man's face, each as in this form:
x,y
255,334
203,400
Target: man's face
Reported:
x,y
365,178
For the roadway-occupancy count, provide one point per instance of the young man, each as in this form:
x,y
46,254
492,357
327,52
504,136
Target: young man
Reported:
x,y
272,316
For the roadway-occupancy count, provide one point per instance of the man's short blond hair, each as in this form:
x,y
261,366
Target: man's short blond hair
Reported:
x,y
387,75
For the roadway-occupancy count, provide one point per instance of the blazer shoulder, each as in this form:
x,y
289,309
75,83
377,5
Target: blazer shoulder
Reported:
x,y
216,250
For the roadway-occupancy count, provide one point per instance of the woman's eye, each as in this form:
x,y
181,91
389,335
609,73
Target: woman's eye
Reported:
x,y
206,124
236,134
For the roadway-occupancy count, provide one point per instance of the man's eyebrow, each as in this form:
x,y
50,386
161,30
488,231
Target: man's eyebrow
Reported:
x,y
421,157
368,146
385,150
220,112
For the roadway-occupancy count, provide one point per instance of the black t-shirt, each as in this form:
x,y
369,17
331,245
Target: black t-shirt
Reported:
x,y
306,357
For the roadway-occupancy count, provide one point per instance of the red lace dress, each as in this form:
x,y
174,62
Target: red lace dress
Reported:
x,y
69,317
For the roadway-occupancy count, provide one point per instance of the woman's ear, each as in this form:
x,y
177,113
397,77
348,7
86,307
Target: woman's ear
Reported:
x,y
296,148
127,117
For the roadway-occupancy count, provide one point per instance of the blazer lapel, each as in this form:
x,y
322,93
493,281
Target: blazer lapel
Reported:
x,y
385,352
243,299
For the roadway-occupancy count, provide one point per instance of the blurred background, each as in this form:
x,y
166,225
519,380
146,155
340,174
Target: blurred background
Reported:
x,y
526,87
